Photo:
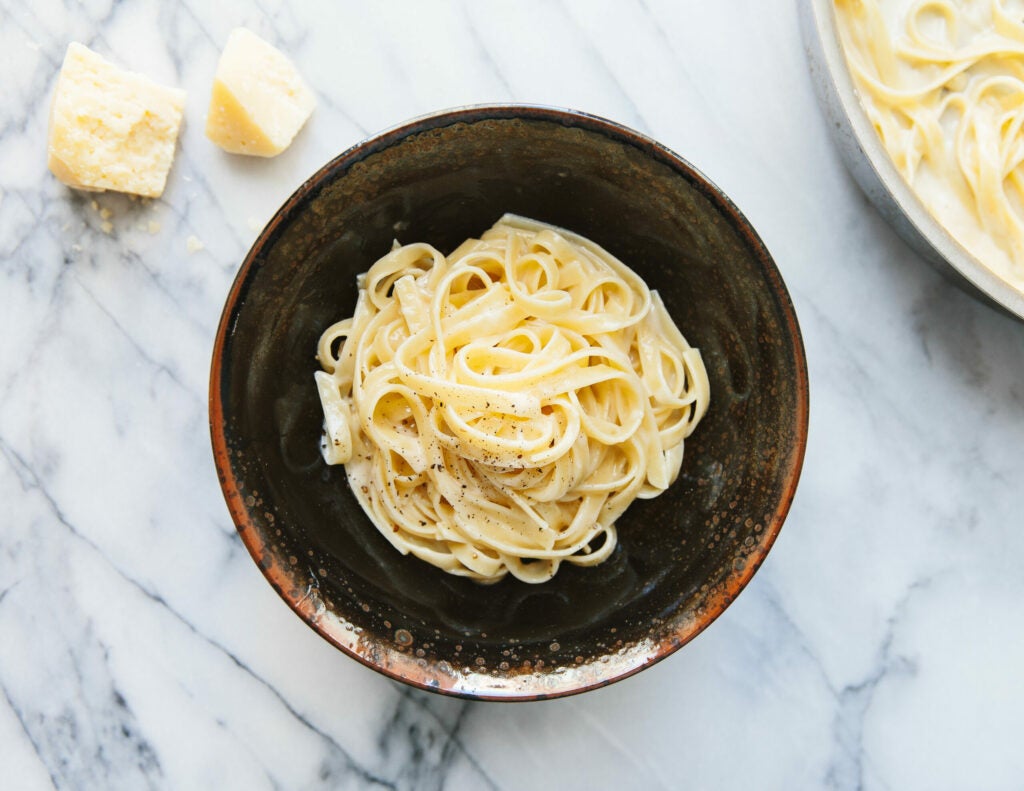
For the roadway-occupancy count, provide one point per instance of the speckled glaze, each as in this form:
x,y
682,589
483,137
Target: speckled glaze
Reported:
x,y
681,558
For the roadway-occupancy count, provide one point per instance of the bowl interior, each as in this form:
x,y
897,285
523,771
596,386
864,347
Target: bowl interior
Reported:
x,y
681,557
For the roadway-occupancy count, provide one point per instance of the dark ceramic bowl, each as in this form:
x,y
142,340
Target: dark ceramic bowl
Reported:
x,y
682,557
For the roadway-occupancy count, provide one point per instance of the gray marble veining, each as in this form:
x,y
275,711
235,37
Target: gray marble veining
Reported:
x,y
879,647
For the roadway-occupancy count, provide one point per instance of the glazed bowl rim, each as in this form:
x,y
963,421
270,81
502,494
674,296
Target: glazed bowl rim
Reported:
x,y
400,666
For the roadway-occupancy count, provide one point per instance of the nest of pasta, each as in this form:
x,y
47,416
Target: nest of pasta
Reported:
x,y
499,408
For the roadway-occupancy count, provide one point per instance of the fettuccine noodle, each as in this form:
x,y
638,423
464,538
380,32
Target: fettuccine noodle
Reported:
x,y
498,409
942,81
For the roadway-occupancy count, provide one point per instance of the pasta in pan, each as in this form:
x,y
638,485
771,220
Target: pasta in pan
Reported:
x,y
497,409
942,81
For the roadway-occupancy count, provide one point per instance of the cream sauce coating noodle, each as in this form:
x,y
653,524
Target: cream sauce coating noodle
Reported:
x,y
942,81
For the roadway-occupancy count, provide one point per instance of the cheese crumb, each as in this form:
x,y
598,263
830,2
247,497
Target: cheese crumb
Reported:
x,y
154,227
259,100
106,226
194,244
111,129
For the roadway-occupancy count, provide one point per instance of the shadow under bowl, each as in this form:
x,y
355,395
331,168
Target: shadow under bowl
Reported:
x,y
681,558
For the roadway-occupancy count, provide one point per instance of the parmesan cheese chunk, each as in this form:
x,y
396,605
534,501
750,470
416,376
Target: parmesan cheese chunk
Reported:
x,y
111,129
259,99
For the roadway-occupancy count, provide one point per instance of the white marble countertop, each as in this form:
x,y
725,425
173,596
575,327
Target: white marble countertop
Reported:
x,y
880,646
